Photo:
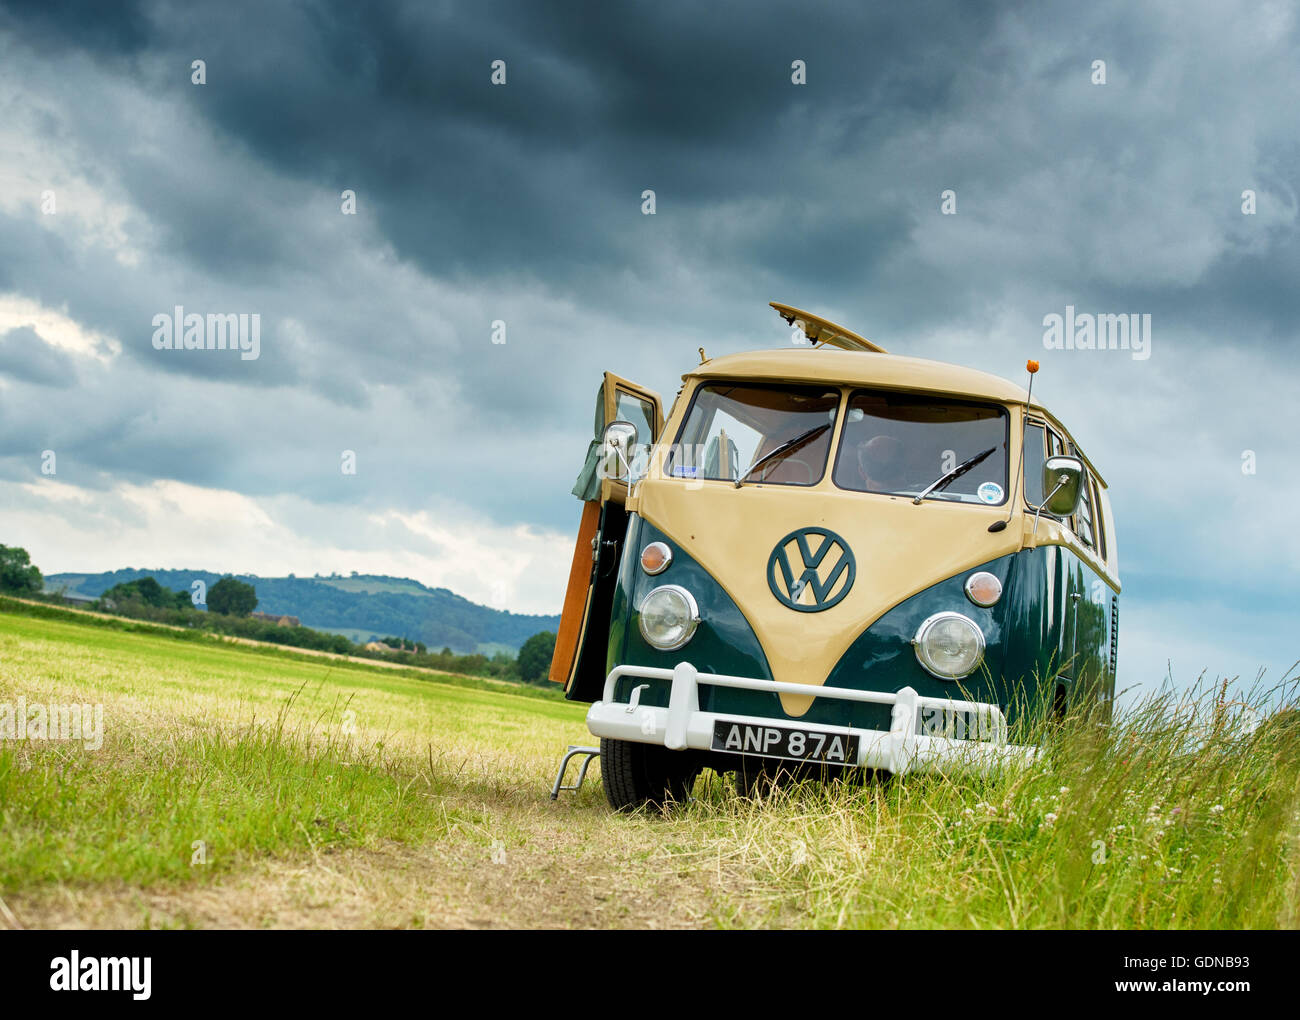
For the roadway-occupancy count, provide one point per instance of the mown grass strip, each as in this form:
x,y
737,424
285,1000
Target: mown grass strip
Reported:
x,y
88,618
185,806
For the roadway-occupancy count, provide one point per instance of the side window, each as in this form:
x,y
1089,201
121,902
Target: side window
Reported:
x,y
1034,458
1098,519
1055,447
641,413
1083,518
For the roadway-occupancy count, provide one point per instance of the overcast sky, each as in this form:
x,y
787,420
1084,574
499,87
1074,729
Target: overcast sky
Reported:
x,y
126,189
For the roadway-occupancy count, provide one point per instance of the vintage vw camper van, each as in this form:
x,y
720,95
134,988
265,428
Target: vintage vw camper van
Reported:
x,y
829,557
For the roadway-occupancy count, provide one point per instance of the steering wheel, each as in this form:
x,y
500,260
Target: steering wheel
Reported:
x,y
808,469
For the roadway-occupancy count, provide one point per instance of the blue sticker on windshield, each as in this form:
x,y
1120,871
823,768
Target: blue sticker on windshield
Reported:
x,y
990,492
685,470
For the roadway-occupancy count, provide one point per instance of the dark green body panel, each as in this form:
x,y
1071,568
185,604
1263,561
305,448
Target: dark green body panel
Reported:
x,y
1041,641
724,642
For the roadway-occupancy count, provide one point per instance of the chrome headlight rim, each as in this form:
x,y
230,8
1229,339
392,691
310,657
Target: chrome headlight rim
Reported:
x,y
918,644
693,623
667,553
971,581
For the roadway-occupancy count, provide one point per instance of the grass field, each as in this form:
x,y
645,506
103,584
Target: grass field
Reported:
x,y
242,789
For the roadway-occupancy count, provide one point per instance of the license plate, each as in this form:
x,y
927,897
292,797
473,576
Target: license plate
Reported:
x,y
780,742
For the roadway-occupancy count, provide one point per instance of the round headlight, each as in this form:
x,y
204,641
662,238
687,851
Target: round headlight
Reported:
x,y
983,588
669,617
949,645
656,558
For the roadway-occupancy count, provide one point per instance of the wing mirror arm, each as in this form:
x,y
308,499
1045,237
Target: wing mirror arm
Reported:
x,y
1039,509
1063,499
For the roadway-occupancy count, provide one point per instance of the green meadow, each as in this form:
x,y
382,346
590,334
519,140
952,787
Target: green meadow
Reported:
x,y
241,787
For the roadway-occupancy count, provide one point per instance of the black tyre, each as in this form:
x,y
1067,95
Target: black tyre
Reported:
x,y
638,775
758,777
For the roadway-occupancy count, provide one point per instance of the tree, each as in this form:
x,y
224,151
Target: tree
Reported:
x,y
17,573
146,590
535,657
232,598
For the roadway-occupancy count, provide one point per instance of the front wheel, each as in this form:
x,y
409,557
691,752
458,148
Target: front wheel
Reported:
x,y
636,775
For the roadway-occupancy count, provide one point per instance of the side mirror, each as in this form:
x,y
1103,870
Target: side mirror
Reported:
x,y
619,449
1063,483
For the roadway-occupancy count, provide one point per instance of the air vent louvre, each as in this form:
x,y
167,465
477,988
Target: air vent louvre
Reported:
x,y
1114,633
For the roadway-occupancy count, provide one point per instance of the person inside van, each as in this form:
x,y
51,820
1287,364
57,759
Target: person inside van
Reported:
x,y
883,464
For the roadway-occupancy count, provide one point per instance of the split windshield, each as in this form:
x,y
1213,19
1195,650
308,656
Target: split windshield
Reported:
x,y
731,428
901,443
894,443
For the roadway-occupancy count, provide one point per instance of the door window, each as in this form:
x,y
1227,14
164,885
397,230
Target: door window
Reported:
x,y
640,412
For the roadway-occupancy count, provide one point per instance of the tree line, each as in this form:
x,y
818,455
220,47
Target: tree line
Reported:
x,y
230,602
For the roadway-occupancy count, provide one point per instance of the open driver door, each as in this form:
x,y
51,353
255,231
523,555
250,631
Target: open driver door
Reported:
x,y
583,639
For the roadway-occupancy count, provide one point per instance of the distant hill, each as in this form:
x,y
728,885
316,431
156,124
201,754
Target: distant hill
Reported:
x,y
360,606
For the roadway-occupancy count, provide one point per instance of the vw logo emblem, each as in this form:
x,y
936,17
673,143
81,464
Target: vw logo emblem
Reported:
x,y
811,569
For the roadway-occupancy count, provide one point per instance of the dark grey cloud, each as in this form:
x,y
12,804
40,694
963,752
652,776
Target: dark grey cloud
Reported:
x,y
58,26
522,203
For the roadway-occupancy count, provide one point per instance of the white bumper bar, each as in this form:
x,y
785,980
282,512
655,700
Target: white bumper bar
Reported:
x,y
900,749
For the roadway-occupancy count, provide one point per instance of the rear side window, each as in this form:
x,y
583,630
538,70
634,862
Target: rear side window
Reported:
x,y
1083,516
1086,523
1098,519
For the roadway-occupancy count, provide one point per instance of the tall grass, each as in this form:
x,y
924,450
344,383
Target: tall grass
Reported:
x,y
1181,814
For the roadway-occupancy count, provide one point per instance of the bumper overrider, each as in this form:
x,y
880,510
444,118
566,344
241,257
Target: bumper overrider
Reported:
x,y
905,747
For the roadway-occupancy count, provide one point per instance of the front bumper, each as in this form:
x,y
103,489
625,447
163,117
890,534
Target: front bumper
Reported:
x,y
903,748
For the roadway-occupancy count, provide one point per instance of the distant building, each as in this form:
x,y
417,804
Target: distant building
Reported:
x,y
282,621
376,646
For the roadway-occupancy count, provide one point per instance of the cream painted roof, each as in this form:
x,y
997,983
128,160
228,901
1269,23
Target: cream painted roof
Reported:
x,y
856,368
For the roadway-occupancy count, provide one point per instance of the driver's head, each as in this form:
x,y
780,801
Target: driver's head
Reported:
x,y
880,459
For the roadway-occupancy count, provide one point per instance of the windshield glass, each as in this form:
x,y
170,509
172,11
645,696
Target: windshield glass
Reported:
x,y
900,443
731,427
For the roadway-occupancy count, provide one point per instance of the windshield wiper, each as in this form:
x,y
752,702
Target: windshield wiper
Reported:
x,y
781,451
944,480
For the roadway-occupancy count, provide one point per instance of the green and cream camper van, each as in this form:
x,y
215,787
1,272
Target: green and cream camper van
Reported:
x,y
830,557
